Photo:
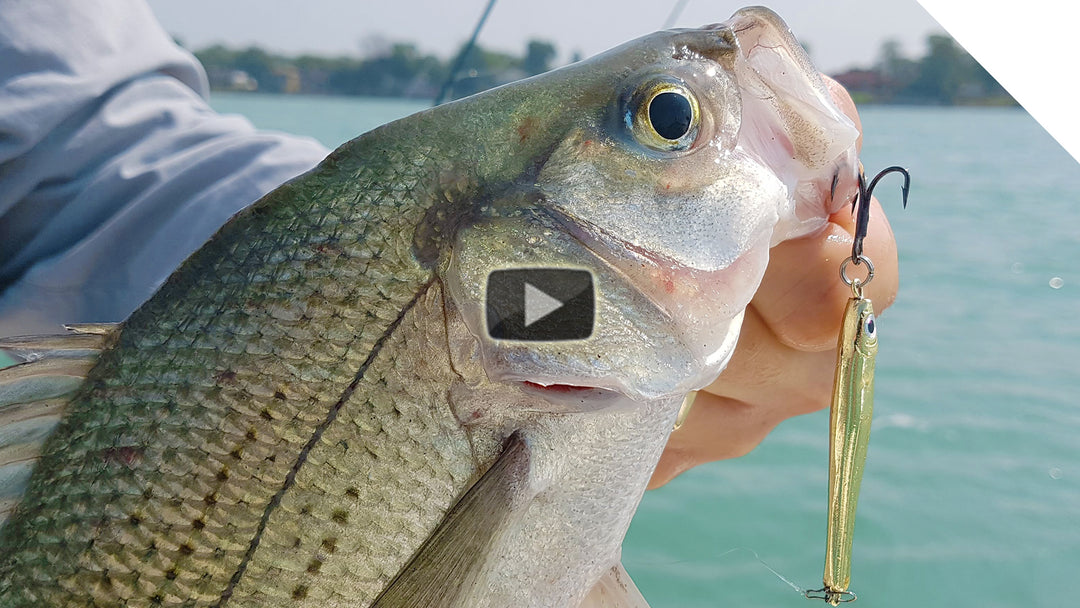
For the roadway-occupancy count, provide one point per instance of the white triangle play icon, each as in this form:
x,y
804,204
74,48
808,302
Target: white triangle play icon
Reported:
x,y
538,304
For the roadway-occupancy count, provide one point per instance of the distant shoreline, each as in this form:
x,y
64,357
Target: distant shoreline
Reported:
x,y
860,100
945,76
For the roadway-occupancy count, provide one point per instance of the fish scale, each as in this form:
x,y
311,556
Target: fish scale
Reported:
x,y
387,443
214,406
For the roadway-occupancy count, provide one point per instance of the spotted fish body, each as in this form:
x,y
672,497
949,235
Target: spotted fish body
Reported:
x,y
310,411
217,389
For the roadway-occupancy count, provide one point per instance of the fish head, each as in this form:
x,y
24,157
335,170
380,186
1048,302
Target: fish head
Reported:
x,y
665,169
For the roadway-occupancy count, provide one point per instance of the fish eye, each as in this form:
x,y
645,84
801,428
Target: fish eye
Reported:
x,y
670,114
664,115
869,326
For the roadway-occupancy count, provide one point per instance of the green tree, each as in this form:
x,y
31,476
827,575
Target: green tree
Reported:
x,y
399,71
215,56
482,69
942,71
538,57
990,86
897,71
260,65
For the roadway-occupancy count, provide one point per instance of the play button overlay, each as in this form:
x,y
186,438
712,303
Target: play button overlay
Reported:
x,y
540,304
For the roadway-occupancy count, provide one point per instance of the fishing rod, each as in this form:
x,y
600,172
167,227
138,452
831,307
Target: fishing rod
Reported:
x,y
676,11
460,59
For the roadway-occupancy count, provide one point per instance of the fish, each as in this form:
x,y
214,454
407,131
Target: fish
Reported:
x,y
312,410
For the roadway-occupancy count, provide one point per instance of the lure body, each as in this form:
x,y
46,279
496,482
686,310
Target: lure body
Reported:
x,y
849,427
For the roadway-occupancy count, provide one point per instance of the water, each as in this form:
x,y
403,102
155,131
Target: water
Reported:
x,y
331,120
972,490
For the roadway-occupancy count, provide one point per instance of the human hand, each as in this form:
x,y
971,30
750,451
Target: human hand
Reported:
x,y
783,365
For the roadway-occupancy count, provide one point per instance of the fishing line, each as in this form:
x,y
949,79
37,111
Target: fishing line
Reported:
x,y
802,591
799,590
778,575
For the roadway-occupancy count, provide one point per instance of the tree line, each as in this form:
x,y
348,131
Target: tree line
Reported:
x,y
945,75
397,70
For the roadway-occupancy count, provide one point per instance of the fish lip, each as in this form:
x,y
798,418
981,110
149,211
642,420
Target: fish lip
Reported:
x,y
558,387
569,398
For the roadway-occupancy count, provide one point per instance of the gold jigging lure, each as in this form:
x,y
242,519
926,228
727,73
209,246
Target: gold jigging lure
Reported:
x,y
852,406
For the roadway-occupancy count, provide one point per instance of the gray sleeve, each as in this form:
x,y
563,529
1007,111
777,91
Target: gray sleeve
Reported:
x,y
113,168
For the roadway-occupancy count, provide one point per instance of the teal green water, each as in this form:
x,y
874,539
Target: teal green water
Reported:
x,y
331,120
972,488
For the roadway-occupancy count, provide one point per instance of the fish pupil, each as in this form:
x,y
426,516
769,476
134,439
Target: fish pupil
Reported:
x,y
870,325
670,114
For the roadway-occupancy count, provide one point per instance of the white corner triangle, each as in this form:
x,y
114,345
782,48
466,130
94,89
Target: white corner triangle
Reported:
x,y
1032,62
538,304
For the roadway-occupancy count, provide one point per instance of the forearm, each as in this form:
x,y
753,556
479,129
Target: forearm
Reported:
x,y
112,166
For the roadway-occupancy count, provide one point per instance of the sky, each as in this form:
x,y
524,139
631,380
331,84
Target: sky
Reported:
x,y
839,33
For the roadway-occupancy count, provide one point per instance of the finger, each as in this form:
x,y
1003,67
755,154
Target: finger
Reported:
x,y
717,428
765,383
801,297
774,376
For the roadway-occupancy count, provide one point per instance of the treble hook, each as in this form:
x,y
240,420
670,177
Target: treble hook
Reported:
x,y
861,205
831,597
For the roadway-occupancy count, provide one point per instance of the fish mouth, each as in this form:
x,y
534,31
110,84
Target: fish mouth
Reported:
x,y
571,398
559,388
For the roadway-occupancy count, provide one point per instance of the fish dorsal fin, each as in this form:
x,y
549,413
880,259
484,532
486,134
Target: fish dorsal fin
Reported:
x,y
615,590
446,570
33,396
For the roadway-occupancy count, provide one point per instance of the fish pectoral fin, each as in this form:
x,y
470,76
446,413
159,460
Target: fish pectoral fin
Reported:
x,y
96,329
33,395
615,590
446,570
84,341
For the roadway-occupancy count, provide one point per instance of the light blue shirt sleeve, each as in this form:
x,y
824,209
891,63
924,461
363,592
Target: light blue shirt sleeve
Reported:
x,y
113,168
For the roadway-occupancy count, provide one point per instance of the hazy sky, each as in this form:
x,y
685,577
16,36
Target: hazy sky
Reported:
x,y
840,33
